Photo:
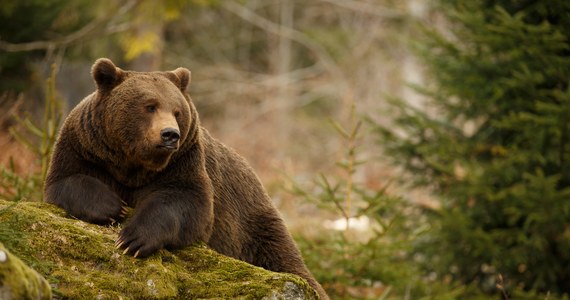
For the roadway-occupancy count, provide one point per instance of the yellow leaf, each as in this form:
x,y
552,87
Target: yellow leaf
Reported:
x,y
137,45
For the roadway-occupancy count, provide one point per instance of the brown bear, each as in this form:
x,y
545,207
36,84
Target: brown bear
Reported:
x,y
137,142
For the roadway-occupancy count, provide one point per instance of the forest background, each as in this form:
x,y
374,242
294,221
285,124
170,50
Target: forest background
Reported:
x,y
416,149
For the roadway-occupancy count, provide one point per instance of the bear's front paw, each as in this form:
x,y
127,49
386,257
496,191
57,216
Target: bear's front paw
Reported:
x,y
109,209
137,241
88,199
123,213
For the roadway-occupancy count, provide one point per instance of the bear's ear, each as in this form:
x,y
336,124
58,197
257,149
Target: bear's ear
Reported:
x,y
183,76
105,73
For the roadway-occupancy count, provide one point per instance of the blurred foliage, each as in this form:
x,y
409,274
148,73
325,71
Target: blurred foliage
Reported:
x,y
492,142
30,21
15,186
371,257
85,27
147,20
40,140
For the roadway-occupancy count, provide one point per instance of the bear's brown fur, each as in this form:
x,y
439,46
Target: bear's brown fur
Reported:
x,y
137,141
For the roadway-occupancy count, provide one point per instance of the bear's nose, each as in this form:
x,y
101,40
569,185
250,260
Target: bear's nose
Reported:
x,y
170,135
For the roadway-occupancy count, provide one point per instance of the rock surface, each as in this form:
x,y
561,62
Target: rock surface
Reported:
x,y
79,260
18,281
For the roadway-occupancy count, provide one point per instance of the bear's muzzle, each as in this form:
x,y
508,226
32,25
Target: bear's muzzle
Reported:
x,y
169,137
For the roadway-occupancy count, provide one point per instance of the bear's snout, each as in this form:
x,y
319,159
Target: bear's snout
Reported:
x,y
170,137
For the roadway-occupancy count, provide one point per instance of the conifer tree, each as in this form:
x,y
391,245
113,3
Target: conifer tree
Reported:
x,y
493,144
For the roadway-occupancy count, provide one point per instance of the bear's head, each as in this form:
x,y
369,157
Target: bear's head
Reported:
x,y
145,117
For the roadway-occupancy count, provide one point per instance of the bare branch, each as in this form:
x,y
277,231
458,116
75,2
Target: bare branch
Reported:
x,y
368,8
322,55
38,45
85,31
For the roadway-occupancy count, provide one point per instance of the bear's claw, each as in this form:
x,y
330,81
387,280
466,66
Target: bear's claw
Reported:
x,y
124,212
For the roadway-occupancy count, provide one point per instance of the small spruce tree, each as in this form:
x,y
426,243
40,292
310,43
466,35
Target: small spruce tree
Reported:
x,y
493,144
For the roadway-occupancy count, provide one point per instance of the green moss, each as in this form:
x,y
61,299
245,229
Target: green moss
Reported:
x,y
80,261
18,281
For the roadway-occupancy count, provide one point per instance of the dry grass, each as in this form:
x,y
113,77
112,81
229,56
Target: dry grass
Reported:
x,y
23,160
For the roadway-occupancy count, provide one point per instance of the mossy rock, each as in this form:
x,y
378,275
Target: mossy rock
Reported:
x,y
18,281
79,261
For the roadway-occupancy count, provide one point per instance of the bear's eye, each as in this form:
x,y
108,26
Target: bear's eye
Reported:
x,y
151,108
176,114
